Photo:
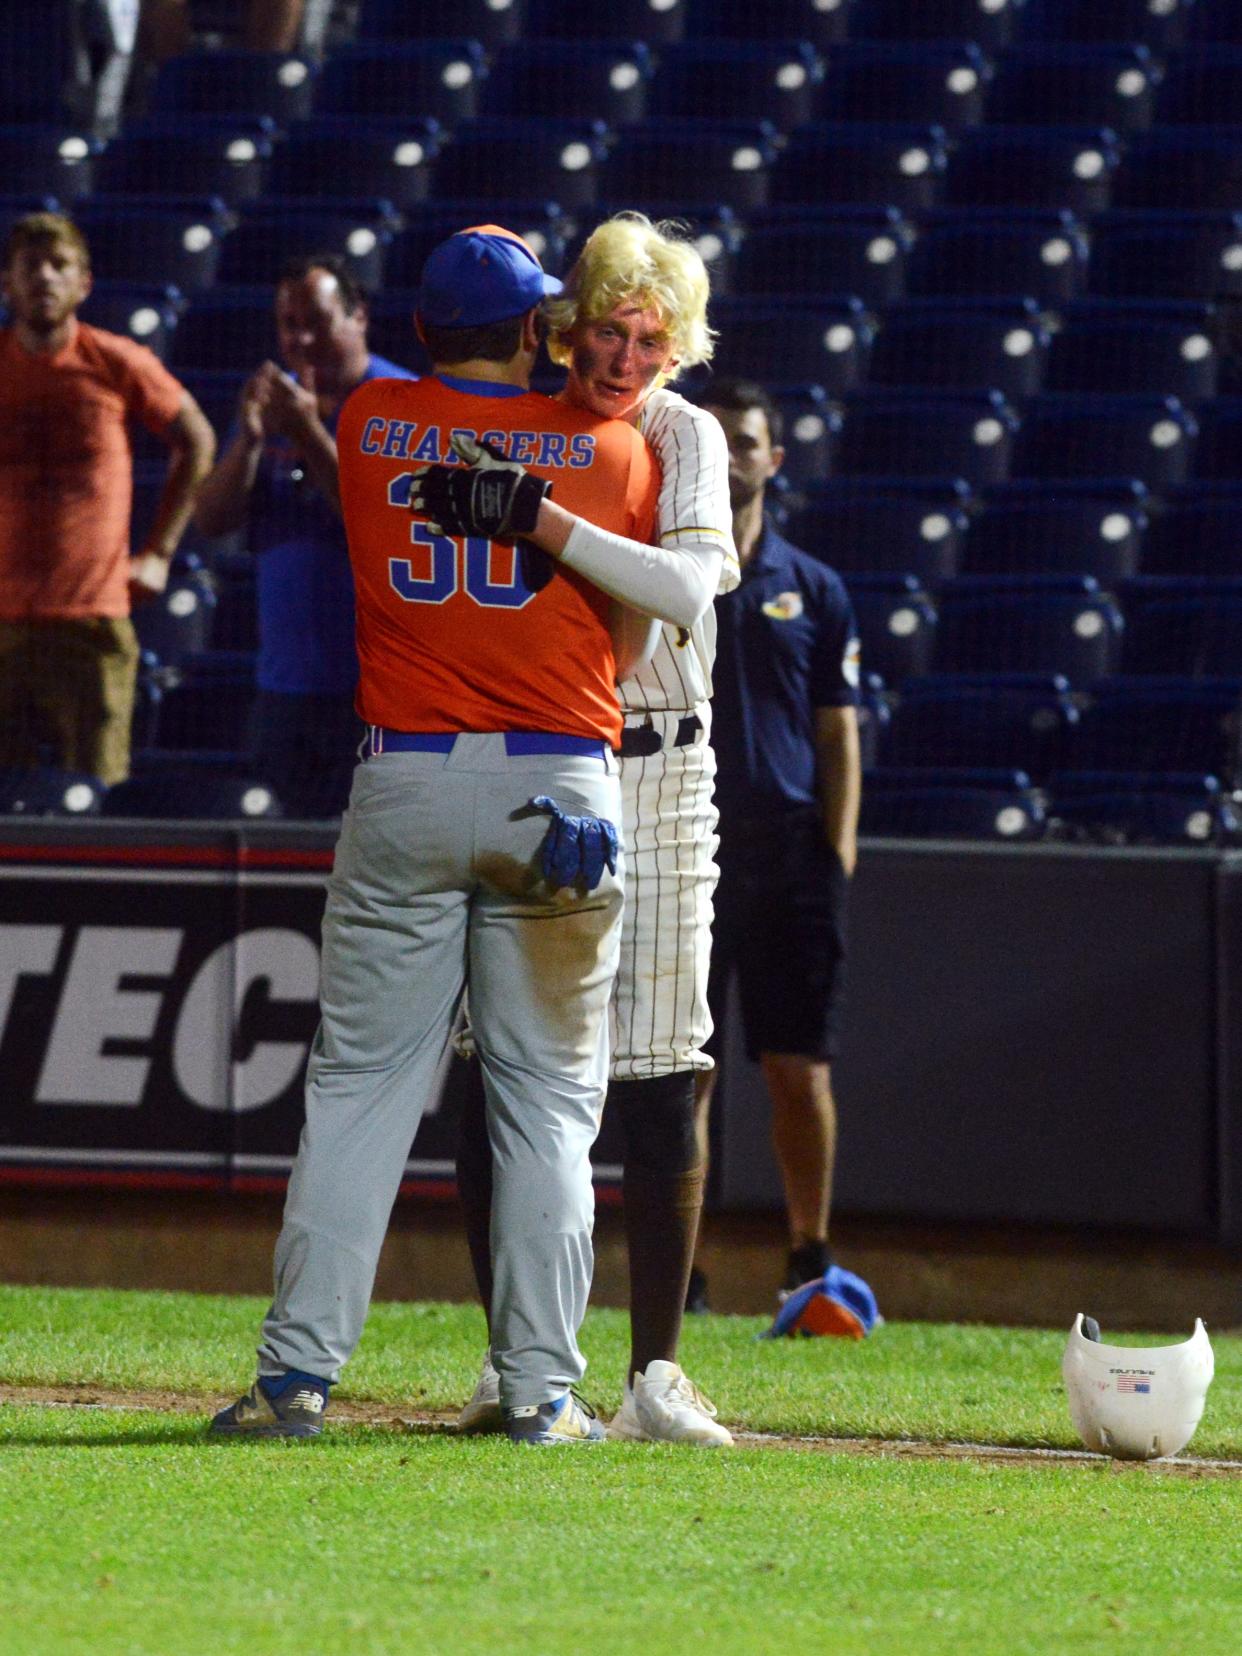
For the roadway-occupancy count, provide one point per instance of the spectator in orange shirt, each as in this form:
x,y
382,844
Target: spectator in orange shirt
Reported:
x,y
68,653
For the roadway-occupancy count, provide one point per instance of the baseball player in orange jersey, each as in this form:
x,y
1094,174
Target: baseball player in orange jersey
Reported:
x,y
489,694
633,312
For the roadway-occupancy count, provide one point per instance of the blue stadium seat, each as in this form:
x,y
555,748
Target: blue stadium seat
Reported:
x,y
1005,720
491,22
1190,628
48,161
216,390
176,242
923,434
1166,256
861,162
208,706
882,526
278,84
874,718
226,328
962,344
1218,454
937,84
1047,85
811,20
1028,624
1196,531
750,80
1082,434
49,792
391,330
689,166
1203,87
983,253
145,312
896,624
795,252
1124,808
787,341
495,158
578,80
195,156
812,428
1214,21
541,223
179,623
39,77
179,792
1182,169
1123,345
1160,25
655,21
269,233
391,81
1062,528
1014,166
988,23
999,806
1159,726
347,157
235,620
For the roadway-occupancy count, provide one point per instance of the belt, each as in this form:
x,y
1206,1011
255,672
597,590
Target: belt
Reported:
x,y
641,741
379,739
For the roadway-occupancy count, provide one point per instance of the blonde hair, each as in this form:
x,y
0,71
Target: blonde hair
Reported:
x,y
630,258
38,228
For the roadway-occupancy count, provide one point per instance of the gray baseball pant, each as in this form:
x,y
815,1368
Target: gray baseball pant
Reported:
x,y
436,884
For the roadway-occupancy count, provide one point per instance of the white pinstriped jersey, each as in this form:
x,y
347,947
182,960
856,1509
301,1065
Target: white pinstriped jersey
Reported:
x,y
694,504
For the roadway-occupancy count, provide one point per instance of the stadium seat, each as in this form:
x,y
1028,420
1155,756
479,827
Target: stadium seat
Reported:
x,y
144,312
1186,627
491,22
1136,255
173,242
235,82
1160,25
787,341
179,623
1218,454
235,619
1159,726
1047,85
862,163
1028,624
392,81
226,328
1081,434
1216,22
689,166
1062,528
751,80
988,23
988,807
541,223
922,434
551,160
1202,87
937,84
195,156
351,158
179,792
1123,808
40,78
48,161
269,233
982,253
1181,169
812,427
962,344
873,719
217,390
49,792
1013,166
1128,345
796,253
882,526
577,80
1004,720
655,21
207,705
814,21
1197,530
896,624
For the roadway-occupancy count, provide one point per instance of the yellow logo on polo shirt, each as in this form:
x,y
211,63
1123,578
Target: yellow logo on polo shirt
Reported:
x,y
786,606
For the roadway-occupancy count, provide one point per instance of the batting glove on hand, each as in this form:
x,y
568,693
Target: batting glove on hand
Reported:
x,y
488,496
576,848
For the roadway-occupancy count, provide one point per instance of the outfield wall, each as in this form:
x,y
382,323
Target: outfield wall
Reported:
x,y
1044,1034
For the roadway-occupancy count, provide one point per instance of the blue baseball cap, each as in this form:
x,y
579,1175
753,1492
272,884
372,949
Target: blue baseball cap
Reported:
x,y
482,274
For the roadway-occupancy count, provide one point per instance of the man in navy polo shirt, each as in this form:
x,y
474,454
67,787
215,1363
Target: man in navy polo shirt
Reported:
x,y
276,479
788,781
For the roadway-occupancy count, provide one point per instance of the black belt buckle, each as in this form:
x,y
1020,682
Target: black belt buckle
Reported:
x,y
639,742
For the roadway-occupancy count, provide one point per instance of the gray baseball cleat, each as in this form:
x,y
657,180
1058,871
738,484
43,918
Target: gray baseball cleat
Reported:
x,y
291,1406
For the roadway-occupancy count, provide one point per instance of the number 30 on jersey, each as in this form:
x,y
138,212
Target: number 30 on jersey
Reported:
x,y
439,572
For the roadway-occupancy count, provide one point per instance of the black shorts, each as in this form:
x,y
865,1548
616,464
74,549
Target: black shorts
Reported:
x,y
780,924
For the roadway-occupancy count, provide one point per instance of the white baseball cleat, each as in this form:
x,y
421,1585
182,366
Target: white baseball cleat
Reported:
x,y
483,1412
665,1406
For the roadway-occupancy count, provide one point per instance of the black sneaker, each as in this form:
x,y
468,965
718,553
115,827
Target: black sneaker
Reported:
x,y
806,1263
289,1407
696,1293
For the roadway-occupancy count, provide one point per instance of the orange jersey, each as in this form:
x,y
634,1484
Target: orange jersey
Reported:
x,y
467,635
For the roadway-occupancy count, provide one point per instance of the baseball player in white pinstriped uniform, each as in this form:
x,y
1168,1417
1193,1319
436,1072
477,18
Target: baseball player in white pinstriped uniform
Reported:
x,y
634,312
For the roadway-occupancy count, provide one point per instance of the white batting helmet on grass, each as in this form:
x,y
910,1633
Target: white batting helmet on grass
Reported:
x,y
1132,1402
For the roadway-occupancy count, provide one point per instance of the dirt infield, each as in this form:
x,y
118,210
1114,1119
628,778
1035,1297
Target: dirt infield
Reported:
x,y
428,1422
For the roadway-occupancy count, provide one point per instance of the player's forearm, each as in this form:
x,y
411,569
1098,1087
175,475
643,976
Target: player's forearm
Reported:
x,y
225,496
839,769
674,585
317,447
634,638
188,466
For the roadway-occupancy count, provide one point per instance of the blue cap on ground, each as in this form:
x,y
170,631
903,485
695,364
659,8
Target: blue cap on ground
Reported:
x,y
482,274
837,1303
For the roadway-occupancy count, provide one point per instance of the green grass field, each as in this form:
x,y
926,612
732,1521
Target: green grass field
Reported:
x,y
124,1532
